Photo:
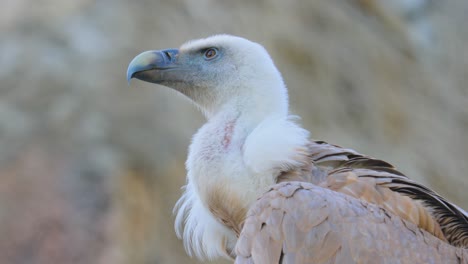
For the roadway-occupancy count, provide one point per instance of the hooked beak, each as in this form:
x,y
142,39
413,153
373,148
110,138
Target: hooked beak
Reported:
x,y
152,66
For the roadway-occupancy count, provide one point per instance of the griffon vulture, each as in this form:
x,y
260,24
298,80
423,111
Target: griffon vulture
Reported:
x,y
260,191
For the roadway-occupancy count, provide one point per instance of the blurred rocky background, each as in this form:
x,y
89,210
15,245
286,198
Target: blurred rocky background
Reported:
x,y
90,168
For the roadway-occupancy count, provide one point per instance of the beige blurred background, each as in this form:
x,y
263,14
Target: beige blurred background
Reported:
x,y
90,168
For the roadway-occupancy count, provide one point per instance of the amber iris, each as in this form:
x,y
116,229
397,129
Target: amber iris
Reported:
x,y
210,53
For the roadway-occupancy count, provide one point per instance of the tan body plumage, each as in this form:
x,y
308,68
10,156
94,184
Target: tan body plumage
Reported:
x,y
301,223
387,223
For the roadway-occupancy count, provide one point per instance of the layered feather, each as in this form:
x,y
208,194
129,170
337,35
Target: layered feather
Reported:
x,y
390,189
299,223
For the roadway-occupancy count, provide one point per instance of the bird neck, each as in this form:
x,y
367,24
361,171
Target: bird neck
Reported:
x,y
234,158
217,149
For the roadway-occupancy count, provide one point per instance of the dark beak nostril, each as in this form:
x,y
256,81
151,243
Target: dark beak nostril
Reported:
x,y
168,54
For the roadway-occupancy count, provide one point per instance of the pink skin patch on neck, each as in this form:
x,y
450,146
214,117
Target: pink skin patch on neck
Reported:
x,y
228,131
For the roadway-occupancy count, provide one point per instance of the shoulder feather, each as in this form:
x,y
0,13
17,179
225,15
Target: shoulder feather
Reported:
x,y
297,222
344,165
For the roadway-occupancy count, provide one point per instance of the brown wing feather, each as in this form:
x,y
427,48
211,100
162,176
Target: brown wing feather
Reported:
x,y
298,222
378,182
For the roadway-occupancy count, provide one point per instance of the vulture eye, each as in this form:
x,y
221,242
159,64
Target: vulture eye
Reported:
x,y
210,53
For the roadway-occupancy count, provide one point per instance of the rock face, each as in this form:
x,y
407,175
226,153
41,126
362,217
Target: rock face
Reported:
x,y
90,168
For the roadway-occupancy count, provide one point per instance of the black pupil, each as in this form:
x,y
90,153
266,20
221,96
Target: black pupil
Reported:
x,y
210,53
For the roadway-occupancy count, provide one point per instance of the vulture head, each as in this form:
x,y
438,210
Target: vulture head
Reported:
x,y
217,72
